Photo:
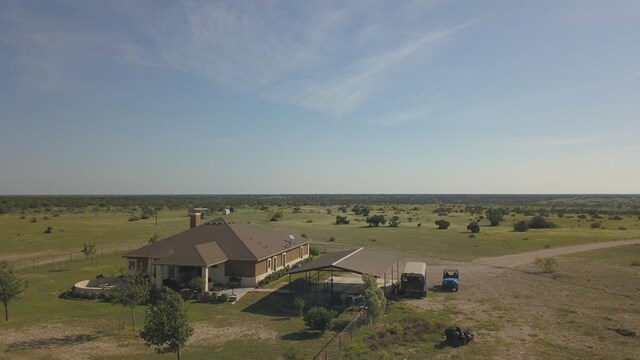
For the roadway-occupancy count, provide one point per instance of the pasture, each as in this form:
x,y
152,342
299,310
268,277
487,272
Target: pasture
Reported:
x,y
572,313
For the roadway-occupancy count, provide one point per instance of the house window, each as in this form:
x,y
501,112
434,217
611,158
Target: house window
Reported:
x,y
301,254
172,272
268,264
132,264
284,259
275,262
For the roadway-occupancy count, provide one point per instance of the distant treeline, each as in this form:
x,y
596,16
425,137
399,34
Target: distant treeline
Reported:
x,y
590,204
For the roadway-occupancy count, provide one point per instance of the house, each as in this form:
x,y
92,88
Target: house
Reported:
x,y
219,251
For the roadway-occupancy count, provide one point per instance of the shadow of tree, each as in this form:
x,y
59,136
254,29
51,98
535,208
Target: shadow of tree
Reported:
x,y
301,335
53,342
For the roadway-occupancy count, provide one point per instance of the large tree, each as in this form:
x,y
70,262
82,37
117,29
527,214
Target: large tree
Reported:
x,y
166,325
10,286
133,292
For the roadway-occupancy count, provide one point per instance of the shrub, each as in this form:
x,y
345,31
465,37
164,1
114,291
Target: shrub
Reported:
x,y
442,224
539,222
473,227
341,220
332,239
195,284
48,230
297,210
376,220
596,225
224,297
617,217
314,251
521,226
298,306
635,263
33,220
546,265
394,222
303,235
133,218
319,318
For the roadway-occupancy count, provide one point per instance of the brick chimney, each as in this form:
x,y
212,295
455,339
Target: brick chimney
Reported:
x,y
195,219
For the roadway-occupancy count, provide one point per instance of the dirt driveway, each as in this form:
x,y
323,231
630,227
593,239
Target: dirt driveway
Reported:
x,y
517,312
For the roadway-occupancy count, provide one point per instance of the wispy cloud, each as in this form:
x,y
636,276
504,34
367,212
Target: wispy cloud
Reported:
x,y
341,93
332,59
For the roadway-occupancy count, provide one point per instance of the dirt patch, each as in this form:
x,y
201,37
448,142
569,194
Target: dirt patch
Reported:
x,y
207,334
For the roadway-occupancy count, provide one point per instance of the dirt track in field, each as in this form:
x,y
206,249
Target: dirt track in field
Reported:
x,y
517,312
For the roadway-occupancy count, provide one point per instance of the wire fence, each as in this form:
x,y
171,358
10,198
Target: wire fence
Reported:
x,y
70,256
339,342
329,248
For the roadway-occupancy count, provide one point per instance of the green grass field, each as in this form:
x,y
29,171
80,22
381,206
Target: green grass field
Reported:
x,y
42,317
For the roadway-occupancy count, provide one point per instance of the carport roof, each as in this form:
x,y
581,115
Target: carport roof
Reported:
x,y
361,261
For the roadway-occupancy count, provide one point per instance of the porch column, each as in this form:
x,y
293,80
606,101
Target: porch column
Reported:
x,y
205,278
158,273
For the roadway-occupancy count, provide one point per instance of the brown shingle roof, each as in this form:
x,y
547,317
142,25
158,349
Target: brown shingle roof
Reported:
x,y
217,241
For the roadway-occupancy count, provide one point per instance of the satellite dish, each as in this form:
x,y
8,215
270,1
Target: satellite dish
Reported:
x,y
292,237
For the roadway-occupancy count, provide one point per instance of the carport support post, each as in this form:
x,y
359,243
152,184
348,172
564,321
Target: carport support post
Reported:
x,y
205,279
385,282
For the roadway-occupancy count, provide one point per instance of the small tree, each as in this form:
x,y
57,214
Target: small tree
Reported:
x,y
376,220
89,250
442,224
546,264
521,226
495,216
134,291
473,227
376,301
166,325
319,318
11,286
48,230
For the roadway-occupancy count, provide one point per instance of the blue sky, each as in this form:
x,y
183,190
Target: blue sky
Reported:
x,y
112,97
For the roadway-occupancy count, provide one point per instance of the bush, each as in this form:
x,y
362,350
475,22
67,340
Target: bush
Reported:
x,y
394,222
298,306
539,222
314,251
319,318
521,226
48,230
442,224
596,225
473,227
133,218
376,220
224,297
195,285
635,263
546,265
341,220
332,239
33,220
